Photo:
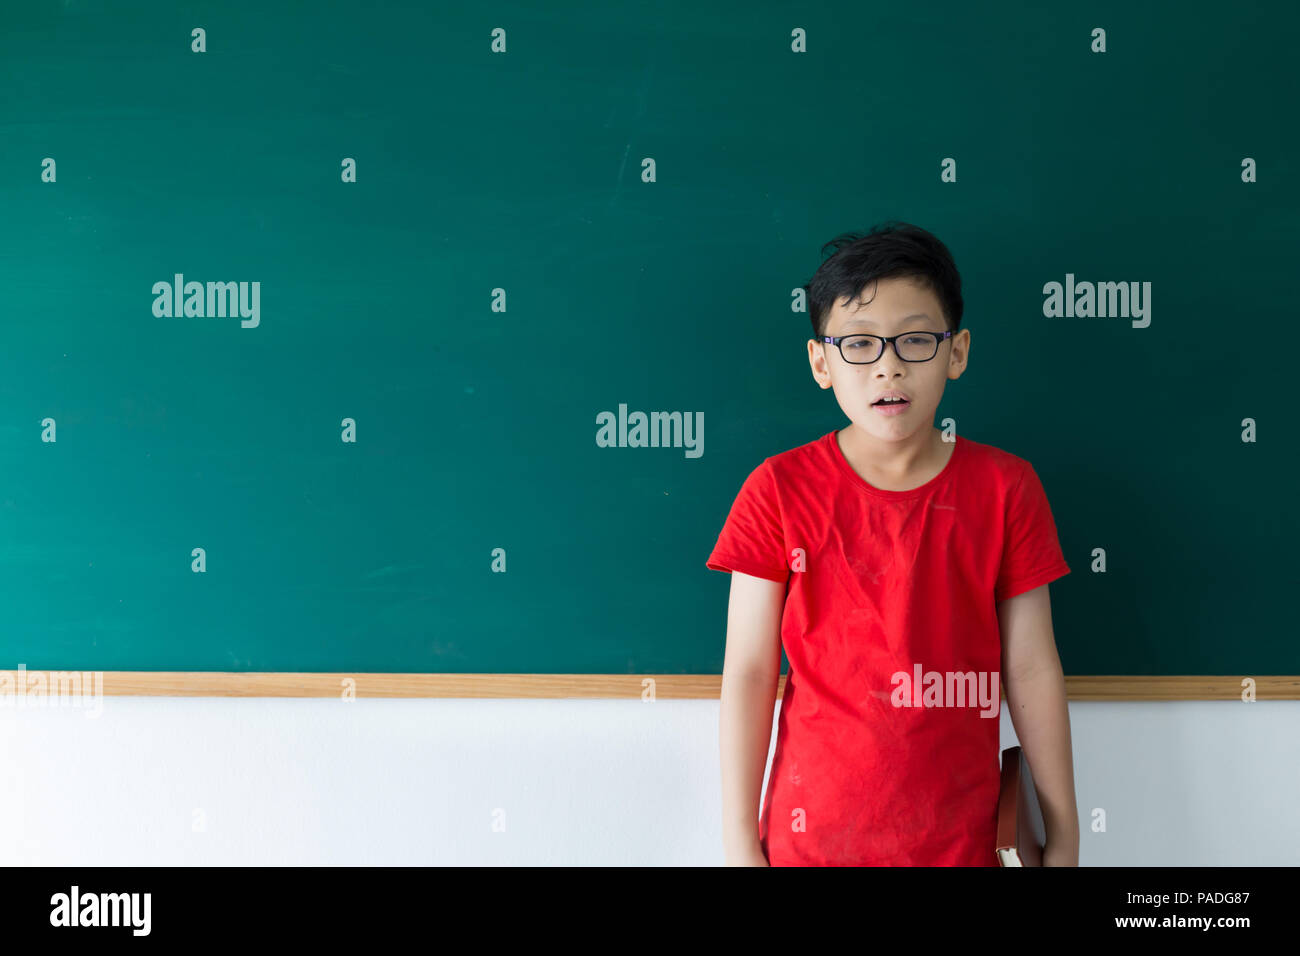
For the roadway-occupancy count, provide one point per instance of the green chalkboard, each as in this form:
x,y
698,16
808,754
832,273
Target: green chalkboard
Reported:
x,y
565,210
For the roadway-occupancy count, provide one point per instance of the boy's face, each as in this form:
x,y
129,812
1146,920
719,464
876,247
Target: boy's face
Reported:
x,y
898,305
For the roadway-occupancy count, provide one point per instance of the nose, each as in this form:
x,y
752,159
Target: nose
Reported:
x,y
889,364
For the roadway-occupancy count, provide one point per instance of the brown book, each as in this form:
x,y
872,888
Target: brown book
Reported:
x,y
1021,833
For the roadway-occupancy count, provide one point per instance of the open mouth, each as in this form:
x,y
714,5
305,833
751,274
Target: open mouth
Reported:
x,y
891,406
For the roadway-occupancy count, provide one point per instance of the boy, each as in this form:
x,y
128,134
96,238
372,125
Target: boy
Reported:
x,y
906,576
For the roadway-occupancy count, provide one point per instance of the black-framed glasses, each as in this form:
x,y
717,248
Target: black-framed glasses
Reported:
x,y
864,349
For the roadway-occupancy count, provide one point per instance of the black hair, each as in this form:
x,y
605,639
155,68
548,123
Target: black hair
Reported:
x,y
890,250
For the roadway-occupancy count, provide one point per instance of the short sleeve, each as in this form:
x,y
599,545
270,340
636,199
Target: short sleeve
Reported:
x,y
752,541
1031,551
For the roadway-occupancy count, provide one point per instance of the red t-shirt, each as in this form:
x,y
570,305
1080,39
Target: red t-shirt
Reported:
x,y
881,583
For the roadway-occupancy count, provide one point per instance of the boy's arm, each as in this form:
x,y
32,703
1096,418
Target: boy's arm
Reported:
x,y
1035,686
750,671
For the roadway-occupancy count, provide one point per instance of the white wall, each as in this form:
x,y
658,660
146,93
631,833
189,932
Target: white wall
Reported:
x,y
280,781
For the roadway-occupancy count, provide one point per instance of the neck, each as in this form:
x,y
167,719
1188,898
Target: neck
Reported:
x,y
896,459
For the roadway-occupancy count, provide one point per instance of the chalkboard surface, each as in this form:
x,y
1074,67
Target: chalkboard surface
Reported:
x,y
434,246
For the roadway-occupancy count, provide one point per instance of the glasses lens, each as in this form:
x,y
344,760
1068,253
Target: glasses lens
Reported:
x,y
861,348
916,346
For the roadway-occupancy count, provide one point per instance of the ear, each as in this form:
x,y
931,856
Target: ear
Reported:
x,y
959,355
817,363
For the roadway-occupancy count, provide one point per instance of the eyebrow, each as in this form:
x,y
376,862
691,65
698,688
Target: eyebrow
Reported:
x,y
906,318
